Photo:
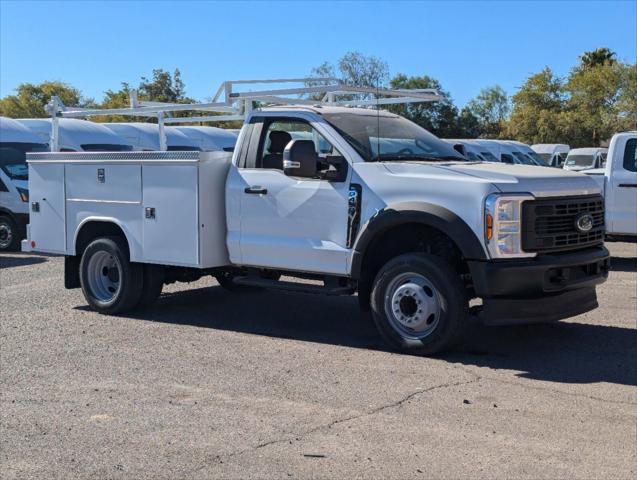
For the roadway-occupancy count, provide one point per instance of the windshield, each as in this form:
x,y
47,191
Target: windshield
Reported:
x,y
523,159
536,158
580,160
13,158
389,138
489,157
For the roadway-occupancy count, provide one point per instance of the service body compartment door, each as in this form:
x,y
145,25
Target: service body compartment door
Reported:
x,y
47,216
171,217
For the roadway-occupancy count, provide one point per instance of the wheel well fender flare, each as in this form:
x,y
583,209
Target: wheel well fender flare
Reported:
x,y
417,212
7,213
132,248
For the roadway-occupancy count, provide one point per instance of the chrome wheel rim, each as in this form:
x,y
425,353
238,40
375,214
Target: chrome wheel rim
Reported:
x,y
104,274
6,235
413,305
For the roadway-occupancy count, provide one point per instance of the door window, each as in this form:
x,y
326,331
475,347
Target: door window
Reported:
x,y
279,132
3,187
630,155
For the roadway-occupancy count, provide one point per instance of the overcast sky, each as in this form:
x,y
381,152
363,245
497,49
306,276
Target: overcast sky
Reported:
x,y
466,45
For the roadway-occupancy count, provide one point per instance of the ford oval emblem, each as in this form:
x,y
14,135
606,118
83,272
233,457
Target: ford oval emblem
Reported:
x,y
584,222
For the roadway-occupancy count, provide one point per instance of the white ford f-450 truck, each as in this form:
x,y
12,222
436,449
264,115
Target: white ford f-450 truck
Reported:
x,y
618,181
363,200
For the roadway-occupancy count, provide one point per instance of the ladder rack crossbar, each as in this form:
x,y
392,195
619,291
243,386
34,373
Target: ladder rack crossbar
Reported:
x,y
238,105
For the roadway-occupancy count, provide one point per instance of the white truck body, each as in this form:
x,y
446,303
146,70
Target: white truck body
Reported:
x,y
361,199
618,181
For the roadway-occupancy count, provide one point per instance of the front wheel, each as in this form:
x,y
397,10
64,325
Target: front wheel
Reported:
x,y
419,304
9,237
110,282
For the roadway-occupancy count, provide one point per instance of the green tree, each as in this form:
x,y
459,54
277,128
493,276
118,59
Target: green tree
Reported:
x,y
353,68
490,108
30,99
440,118
536,109
163,87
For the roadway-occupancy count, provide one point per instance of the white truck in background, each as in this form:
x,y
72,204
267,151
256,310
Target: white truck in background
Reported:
x,y
618,181
581,159
362,200
15,142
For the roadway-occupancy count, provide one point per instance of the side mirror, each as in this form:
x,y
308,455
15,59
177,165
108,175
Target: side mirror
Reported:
x,y
300,159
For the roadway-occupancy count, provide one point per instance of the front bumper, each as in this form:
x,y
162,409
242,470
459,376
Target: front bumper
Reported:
x,y
542,289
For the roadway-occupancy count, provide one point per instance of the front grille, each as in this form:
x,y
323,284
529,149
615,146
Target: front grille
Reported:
x,y
550,225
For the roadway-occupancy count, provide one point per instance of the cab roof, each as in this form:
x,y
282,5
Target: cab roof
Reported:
x,y
325,109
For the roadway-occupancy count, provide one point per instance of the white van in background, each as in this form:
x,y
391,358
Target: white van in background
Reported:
x,y
552,153
586,158
528,151
468,149
78,135
210,139
15,141
145,136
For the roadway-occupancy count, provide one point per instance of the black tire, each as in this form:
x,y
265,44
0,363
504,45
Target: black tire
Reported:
x,y
153,285
443,327
9,235
126,275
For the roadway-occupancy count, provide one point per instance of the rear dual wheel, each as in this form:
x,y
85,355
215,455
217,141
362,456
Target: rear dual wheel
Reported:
x,y
111,283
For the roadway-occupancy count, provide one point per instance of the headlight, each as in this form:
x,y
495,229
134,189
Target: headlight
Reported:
x,y
24,194
503,225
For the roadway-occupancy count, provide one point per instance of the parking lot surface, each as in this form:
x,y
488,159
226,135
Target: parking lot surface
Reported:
x,y
213,384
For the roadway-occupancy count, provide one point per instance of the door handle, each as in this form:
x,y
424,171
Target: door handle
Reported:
x,y
628,185
256,190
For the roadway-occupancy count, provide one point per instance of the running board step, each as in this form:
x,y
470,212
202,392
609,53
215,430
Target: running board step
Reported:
x,y
294,286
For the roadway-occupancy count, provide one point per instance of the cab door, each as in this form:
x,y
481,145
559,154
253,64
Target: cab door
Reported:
x,y
621,196
287,222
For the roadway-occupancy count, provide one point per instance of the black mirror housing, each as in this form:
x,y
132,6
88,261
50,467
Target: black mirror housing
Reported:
x,y
300,159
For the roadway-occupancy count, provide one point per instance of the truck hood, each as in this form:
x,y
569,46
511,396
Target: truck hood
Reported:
x,y
21,184
540,181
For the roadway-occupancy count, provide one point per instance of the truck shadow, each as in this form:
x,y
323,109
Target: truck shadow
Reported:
x,y
623,264
12,260
565,352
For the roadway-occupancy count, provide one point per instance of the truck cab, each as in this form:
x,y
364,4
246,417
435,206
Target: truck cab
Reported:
x,y
618,180
361,200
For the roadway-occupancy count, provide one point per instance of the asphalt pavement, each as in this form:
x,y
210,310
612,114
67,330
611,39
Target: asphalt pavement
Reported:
x,y
213,384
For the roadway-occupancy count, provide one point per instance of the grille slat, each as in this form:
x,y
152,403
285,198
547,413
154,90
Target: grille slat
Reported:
x,y
549,225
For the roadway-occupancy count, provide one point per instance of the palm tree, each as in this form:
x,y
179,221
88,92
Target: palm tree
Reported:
x,y
598,57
